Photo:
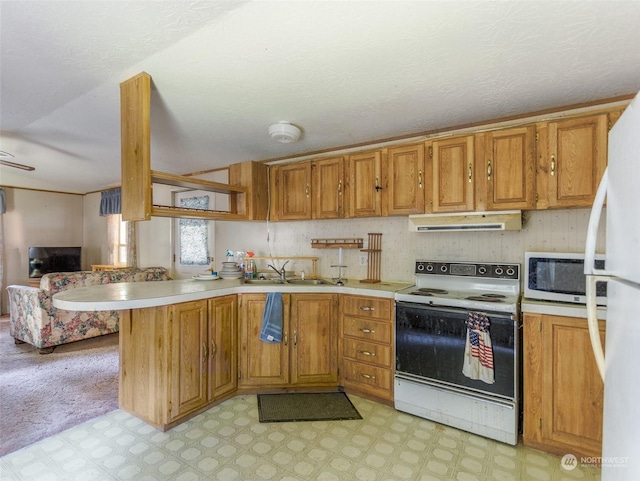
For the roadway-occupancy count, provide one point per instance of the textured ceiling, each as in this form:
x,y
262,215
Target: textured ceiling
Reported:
x,y
346,72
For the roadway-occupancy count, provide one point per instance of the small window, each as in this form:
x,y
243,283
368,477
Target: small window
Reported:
x,y
194,234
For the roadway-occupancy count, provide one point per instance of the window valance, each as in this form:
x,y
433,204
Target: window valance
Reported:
x,y
110,202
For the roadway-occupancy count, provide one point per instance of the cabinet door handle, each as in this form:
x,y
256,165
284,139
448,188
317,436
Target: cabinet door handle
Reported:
x,y
205,352
295,338
340,187
367,376
306,190
214,348
378,187
489,169
286,340
367,353
470,171
368,331
553,164
420,179
367,308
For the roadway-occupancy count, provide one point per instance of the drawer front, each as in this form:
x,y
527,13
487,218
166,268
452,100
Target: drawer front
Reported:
x,y
366,351
368,330
370,307
366,375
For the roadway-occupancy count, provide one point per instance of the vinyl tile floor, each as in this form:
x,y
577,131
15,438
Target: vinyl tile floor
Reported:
x,y
227,442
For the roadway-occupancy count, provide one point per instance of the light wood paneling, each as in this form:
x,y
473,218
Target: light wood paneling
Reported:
x,y
135,112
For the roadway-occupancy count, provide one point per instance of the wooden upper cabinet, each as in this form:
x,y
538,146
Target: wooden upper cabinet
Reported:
x,y
293,185
450,175
405,180
327,188
365,184
576,157
506,172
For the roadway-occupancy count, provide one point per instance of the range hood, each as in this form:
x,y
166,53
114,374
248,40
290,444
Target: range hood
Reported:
x,y
466,221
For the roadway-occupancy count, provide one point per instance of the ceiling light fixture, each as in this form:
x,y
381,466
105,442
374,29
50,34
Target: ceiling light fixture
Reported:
x,y
16,166
284,132
8,163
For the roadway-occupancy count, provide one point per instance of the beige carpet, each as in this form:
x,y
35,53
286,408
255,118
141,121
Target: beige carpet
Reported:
x,y
41,395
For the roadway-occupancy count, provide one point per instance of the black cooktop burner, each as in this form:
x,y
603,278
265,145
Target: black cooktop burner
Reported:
x,y
432,290
496,296
487,298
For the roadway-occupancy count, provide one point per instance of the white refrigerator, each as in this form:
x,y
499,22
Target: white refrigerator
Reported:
x,y
620,366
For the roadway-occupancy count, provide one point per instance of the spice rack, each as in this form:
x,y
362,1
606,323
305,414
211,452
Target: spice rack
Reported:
x,y
373,262
336,243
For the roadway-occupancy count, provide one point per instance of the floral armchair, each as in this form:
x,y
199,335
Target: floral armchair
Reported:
x,y
34,320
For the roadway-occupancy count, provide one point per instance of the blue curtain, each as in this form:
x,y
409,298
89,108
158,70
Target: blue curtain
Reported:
x,y
3,203
110,202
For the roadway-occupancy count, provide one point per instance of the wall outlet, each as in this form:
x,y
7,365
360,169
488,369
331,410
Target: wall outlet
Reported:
x,y
363,260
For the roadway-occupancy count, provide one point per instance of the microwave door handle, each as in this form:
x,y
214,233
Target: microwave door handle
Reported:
x,y
592,321
592,229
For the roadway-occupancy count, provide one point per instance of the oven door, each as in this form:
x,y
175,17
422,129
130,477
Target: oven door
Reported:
x,y
430,345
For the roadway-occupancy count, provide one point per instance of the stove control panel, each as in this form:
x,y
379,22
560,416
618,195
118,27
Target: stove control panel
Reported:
x,y
464,269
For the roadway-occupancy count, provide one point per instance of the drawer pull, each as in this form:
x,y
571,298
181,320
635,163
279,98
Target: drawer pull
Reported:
x,y
367,308
368,331
367,353
367,376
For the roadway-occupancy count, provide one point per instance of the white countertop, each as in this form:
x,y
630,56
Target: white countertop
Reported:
x,y
534,306
134,295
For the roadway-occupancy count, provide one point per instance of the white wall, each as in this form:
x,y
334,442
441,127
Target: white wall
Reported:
x,y
95,246
36,218
551,230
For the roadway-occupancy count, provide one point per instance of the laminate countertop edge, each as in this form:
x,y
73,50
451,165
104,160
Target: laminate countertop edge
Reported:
x,y
136,295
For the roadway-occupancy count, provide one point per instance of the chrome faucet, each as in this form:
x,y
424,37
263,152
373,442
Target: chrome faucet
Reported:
x,y
280,272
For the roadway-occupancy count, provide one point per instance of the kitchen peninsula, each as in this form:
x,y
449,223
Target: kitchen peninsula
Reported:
x,y
186,345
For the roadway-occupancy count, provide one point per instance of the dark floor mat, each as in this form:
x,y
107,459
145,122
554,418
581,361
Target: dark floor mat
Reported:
x,y
290,407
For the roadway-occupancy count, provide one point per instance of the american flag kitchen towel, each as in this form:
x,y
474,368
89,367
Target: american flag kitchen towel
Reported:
x,y
478,352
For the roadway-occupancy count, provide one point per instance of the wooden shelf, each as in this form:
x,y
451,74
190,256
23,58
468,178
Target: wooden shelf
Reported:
x,y
336,243
246,189
194,183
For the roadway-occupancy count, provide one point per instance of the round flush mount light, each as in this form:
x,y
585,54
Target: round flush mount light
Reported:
x,y
284,132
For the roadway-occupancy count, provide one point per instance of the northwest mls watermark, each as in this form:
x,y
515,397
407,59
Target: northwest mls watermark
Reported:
x,y
570,462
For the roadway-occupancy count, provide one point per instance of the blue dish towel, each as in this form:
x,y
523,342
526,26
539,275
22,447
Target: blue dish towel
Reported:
x,y
272,318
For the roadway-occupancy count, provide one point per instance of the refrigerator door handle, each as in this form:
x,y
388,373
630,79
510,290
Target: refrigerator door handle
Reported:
x,y
592,321
592,229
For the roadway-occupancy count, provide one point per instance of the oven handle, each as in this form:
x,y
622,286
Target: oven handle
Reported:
x,y
454,310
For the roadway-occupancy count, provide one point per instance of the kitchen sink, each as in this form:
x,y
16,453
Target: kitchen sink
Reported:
x,y
306,282
293,282
263,282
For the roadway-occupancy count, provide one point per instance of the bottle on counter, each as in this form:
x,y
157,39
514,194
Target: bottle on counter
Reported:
x,y
249,268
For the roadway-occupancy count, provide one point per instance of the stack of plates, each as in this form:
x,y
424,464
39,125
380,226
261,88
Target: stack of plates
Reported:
x,y
230,270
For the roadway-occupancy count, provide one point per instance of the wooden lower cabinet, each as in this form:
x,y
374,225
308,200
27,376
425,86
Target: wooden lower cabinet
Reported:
x,y
563,392
366,346
176,360
307,355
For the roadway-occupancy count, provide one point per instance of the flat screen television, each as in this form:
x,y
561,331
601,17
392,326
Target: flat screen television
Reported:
x,y
43,260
